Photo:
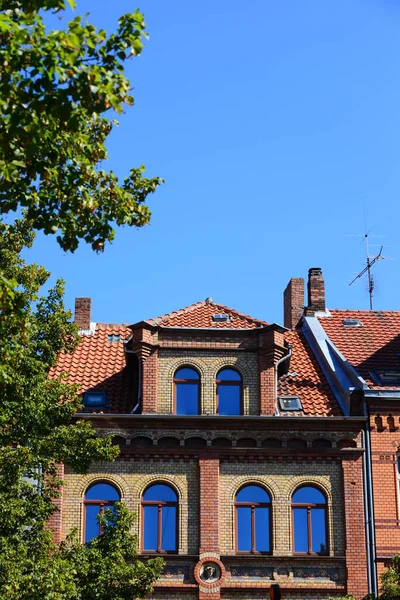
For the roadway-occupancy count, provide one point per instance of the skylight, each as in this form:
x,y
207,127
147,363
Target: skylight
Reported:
x,y
113,338
387,377
352,323
290,403
95,399
221,318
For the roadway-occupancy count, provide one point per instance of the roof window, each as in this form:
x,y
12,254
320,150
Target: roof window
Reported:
x,y
112,337
290,403
94,399
352,323
386,377
221,318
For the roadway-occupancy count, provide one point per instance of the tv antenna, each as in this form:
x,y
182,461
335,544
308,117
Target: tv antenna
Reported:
x,y
367,269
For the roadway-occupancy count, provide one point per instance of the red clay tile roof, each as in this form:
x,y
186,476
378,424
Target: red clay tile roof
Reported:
x,y
200,315
309,384
375,345
99,365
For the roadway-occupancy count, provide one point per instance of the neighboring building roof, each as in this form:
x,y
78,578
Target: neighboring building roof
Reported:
x,y
306,380
99,365
373,346
200,315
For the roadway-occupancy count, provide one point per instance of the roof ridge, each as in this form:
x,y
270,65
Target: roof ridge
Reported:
x,y
191,307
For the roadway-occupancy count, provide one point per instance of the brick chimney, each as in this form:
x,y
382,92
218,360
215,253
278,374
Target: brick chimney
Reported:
x,y
83,313
293,302
316,291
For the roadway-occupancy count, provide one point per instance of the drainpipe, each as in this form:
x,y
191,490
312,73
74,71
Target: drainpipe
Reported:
x,y
369,508
281,360
139,396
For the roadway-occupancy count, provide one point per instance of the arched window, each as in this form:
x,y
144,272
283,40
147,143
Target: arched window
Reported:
x,y
97,498
187,392
229,392
159,519
253,520
309,521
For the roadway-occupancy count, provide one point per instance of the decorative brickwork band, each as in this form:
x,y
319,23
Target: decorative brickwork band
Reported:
x,y
209,504
356,560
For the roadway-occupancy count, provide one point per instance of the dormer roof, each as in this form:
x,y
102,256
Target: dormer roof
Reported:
x,y
201,315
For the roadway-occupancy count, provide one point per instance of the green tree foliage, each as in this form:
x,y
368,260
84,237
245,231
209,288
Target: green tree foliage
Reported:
x,y
37,431
390,584
56,88
390,581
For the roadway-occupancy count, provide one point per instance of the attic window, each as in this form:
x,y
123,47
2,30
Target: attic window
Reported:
x,y
221,318
112,337
388,377
290,403
94,399
352,323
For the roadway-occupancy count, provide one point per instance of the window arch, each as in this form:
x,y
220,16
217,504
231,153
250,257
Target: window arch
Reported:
x,y
253,520
186,391
229,392
98,497
309,521
159,519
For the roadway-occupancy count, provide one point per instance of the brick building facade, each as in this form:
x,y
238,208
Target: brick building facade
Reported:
x,y
359,352
264,476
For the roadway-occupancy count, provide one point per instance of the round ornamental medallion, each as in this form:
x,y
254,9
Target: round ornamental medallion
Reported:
x,y
210,572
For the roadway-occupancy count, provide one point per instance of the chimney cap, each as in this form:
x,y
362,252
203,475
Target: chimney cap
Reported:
x,y
315,271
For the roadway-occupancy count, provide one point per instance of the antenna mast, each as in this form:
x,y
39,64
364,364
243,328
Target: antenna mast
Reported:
x,y
367,269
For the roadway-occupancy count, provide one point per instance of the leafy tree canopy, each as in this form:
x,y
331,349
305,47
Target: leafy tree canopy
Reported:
x,y
37,431
56,88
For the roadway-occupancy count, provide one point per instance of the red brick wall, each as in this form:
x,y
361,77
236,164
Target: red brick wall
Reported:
x,y
385,443
55,521
356,557
209,504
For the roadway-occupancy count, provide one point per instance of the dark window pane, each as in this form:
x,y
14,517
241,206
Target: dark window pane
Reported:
x,y
252,493
168,540
92,527
228,375
262,529
187,398
229,400
160,492
102,491
244,529
300,530
308,495
318,530
186,373
150,541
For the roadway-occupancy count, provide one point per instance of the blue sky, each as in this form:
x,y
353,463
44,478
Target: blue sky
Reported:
x,y
275,125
